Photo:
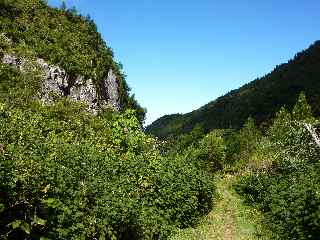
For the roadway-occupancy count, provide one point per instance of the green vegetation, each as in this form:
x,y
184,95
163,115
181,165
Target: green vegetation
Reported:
x,y
275,171
67,174
260,99
229,219
287,191
31,29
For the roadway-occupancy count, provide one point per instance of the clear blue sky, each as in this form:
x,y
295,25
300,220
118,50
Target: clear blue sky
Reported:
x,y
181,54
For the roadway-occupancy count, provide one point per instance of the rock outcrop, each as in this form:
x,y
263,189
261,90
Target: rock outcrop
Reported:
x,y
112,90
57,82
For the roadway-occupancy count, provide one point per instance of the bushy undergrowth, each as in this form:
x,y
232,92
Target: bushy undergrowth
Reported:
x,y
209,152
67,175
288,191
290,202
279,169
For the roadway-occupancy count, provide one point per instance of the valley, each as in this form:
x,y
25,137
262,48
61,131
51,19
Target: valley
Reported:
x,y
77,163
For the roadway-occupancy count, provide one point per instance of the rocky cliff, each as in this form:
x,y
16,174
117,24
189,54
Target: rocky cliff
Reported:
x,y
74,59
56,82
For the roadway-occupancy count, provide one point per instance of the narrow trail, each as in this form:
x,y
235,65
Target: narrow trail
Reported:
x,y
230,219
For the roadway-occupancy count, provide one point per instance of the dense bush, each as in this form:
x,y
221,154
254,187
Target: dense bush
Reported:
x,y
68,175
178,145
209,152
241,144
17,89
288,191
221,149
290,202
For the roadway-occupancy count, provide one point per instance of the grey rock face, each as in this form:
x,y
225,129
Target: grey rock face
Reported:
x,y
57,82
13,61
85,91
111,86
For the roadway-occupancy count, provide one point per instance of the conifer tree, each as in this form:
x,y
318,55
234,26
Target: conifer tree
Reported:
x,y
302,110
63,6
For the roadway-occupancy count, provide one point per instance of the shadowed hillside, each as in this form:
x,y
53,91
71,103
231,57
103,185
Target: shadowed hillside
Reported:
x,y
259,99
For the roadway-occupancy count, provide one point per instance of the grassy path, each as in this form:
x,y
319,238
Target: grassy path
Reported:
x,y
229,220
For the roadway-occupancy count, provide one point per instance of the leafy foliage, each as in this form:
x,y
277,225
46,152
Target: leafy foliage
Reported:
x,y
179,144
241,145
288,191
68,175
210,151
64,38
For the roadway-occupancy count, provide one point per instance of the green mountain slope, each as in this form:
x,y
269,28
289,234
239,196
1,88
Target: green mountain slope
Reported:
x,y
259,99
31,29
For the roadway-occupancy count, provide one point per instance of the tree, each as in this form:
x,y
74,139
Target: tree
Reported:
x,y
249,137
302,110
63,6
73,11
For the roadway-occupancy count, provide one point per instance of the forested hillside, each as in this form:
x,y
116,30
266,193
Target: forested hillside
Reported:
x,y
30,29
260,99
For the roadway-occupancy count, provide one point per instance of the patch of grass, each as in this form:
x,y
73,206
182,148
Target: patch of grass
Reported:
x,y
230,218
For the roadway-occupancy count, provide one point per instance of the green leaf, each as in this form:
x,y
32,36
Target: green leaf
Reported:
x,y
39,221
2,207
2,107
50,202
25,227
15,224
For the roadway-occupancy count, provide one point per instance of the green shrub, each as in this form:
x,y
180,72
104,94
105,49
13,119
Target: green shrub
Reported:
x,y
290,202
209,152
68,175
241,145
288,191
181,143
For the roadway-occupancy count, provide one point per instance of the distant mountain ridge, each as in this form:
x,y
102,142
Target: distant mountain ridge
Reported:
x,y
259,99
